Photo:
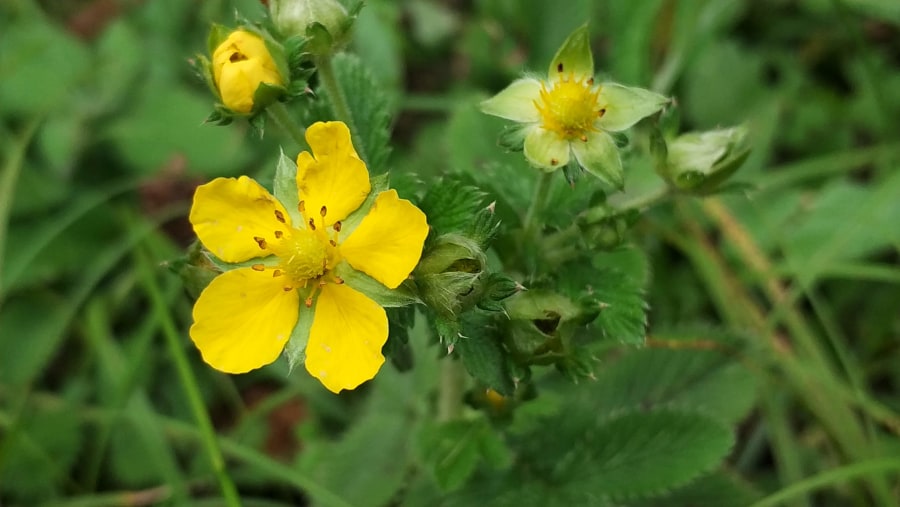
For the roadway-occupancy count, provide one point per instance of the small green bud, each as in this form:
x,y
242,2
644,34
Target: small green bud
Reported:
x,y
699,162
327,22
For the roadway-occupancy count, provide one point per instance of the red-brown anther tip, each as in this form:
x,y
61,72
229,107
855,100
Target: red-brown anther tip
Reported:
x,y
337,226
590,81
276,273
260,241
279,216
308,302
338,280
584,138
559,67
301,207
553,161
332,242
323,211
279,234
288,288
601,112
258,267
312,224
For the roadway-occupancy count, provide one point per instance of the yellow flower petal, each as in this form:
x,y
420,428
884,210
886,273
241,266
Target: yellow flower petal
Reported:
x,y
388,242
346,337
332,176
243,319
229,213
546,149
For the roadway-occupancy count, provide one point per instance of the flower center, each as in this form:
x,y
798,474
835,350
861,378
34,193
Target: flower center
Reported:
x,y
303,255
569,107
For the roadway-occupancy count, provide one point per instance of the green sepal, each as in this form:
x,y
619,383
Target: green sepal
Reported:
x,y
496,288
257,124
203,69
403,295
217,35
483,355
318,40
574,56
295,349
284,188
265,95
484,227
448,294
448,331
379,184
397,347
512,137
195,269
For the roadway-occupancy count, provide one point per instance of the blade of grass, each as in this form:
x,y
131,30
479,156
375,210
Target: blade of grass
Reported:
x,y
189,382
828,478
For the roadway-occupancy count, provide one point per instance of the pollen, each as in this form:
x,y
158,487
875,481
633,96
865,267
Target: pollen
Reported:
x,y
568,107
303,255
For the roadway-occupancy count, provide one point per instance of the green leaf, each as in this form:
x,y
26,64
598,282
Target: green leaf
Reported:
x,y
623,311
574,56
482,354
695,377
451,205
453,450
370,110
720,489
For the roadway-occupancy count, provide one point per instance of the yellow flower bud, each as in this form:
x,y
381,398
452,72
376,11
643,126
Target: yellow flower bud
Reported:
x,y
240,64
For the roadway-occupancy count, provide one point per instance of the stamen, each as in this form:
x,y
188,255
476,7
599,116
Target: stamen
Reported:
x,y
559,67
288,288
338,280
279,216
601,112
301,207
279,234
276,273
312,224
553,161
323,211
308,302
337,226
332,242
258,267
583,138
260,241
590,81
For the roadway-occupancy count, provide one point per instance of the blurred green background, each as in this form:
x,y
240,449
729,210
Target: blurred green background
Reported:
x,y
102,142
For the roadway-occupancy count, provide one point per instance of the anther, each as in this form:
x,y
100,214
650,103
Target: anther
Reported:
x,y
260,241
337,226
312,224
590,81
258,267
583,138
332,242
553,161
276,273
279,234
288,288
559,67
338,280
323,211
279,216
601,112
309,302
301,207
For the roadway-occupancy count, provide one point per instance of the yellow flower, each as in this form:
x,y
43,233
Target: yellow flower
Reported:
x,y
240,64
244,318
569,115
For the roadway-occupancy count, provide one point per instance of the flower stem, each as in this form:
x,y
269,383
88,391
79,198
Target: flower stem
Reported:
x,y
340,108
282,117
450,396
188,381
541,193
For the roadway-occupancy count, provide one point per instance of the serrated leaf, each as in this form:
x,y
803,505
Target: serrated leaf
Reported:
x,y
483,356
720,489
623,311
706,380
638,453
369,107
450,205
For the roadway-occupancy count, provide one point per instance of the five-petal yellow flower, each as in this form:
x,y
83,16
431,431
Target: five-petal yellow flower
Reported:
x,y
244,318
240,64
